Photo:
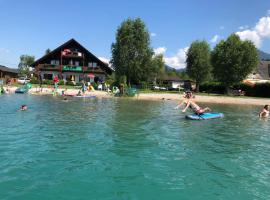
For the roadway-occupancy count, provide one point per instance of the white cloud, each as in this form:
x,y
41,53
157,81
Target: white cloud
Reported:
x,y
263,27
243,27
4,50
250,35
178,60
160,50
221,27
214,39
103,59
258,33
153,34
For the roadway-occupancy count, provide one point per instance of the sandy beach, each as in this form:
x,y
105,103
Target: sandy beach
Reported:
x,y
159,96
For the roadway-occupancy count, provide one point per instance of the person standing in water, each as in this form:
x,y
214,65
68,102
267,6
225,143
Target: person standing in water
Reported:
x,y
265,112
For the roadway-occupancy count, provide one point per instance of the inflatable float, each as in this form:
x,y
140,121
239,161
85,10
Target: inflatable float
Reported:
x,y
205,116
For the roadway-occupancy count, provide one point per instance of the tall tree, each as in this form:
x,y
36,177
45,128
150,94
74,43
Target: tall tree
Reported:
x,y
131,52
158,67
199,62
233,60
47,51
24,65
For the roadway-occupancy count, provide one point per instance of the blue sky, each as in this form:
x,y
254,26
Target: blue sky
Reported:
x,y
30,27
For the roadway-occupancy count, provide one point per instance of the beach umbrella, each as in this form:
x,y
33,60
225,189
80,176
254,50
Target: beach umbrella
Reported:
x,y
91,75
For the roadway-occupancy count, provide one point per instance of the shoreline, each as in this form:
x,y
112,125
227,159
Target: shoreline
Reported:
x,y
158,96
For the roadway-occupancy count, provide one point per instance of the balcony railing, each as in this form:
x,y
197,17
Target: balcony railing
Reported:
x,y
49,66
71,68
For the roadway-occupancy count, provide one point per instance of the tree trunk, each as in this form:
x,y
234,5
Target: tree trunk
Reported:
x,y
197,87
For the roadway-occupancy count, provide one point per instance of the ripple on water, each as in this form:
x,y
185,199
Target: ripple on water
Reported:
x,y
126,149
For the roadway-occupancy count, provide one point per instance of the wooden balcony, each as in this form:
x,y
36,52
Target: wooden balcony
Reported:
x,y
49,67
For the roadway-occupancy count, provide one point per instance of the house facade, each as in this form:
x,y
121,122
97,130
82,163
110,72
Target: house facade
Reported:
x,y
71,62
261,73
8,73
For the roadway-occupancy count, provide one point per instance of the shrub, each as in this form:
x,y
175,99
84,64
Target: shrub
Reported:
x,y
70,83
61,82
34,80
213,87
47,82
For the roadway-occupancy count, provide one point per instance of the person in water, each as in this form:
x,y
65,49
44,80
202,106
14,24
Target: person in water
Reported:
x,y
23,108
191,104
265,112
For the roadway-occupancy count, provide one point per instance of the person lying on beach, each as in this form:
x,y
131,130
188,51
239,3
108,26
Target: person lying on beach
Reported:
x,y
191,104
23,108
265,112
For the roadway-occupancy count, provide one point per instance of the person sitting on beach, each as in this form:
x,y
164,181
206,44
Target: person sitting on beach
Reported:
x,y
23,107
265,112
191,104
79,93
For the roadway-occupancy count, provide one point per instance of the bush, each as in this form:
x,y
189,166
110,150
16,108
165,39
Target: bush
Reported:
x,y
34,80
47,82
61,82
70,83
213,87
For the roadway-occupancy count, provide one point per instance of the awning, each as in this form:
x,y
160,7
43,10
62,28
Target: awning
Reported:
x,y
91,75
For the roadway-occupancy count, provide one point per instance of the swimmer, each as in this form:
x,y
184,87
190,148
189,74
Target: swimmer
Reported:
x,y
265,112
23,108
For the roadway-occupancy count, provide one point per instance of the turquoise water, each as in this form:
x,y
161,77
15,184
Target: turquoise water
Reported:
x,y
128,149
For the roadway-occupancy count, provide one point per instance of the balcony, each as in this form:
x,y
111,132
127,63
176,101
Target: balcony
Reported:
x,y
72,68
49,67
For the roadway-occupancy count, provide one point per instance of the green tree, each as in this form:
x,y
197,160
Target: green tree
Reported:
x,y
158,67
47,51
233,60
131,52
199,62
24,65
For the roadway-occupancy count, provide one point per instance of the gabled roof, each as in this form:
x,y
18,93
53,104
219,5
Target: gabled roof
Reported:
x,y
171,78
7,69
103,65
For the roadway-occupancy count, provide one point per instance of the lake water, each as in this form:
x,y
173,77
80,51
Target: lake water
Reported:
x,y
129,149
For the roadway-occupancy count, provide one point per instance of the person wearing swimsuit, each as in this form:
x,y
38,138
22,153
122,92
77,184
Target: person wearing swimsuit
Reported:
x,y
191,104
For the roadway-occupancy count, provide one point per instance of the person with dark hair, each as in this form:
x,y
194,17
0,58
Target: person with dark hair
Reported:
x,y
189,102
265,112
23,108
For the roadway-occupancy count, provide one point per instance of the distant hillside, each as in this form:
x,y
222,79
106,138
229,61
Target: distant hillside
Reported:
x,y
263,55
168,69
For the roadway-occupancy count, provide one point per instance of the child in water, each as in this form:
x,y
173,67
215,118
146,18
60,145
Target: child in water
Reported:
x,y
265,112
191,104
23,108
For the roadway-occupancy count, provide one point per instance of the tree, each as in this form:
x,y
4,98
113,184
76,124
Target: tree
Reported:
x,y
131,53
47,51
158,67
233,60
199,62
24,65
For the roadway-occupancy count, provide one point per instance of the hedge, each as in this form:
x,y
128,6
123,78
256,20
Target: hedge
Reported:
x,y
258,90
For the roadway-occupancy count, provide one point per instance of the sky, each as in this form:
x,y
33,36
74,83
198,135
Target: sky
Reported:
x,y
32,26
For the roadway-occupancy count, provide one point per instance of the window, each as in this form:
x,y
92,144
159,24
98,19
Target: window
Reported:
x,y
54,62
90,64
94,65
77,63
48,76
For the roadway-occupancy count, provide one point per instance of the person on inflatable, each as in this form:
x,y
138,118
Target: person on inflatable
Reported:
x,y
191,104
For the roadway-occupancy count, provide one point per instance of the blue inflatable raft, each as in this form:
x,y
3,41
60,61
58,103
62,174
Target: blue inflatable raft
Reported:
x,y
204,116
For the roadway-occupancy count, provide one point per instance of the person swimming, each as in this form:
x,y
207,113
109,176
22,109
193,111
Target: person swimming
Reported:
x,y
23,108
265,112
